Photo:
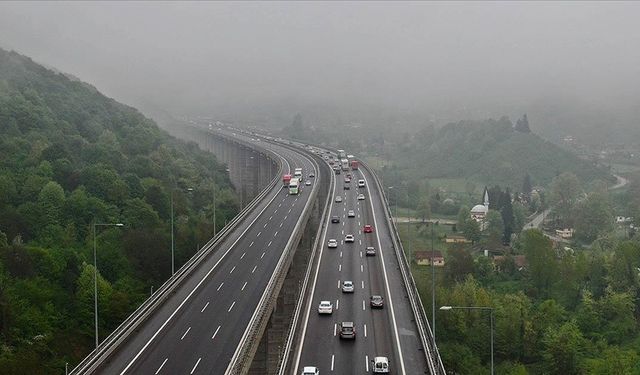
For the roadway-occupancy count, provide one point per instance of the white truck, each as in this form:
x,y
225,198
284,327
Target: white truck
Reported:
x,y
380,365
294,186
298,174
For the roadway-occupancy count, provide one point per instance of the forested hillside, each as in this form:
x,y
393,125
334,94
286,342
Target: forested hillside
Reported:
x,y
491,152
71,157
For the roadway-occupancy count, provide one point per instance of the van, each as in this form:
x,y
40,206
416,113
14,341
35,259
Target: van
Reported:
x,y
380,365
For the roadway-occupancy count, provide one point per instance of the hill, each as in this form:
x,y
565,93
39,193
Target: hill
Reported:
x,y
491,152
71,157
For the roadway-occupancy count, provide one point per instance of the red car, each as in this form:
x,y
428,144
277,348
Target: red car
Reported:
x,y
368,229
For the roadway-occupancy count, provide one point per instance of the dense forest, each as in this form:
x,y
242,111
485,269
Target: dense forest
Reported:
x,y
70,158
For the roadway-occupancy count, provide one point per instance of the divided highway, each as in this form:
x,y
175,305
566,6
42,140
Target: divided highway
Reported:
x,y
389,332
199,327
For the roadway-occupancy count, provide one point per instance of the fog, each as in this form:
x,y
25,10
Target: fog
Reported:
x,y
410,63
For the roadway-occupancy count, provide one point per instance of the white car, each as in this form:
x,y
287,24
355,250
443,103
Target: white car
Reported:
x,y
349,238
338,199
308,183
310,370
332,243
360,197
380,365
351,213
360,183
347,287
325,307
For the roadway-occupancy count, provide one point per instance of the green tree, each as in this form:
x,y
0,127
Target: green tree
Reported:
x,y
564,350
593,216
423,210
615,361
51,199
541,258
85,300
565,189
459,265
495,227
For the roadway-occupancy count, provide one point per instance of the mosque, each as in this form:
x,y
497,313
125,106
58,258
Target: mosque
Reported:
x,y
479,211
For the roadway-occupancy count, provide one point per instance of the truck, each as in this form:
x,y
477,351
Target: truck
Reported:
x,y
354,164
344,163
380,365
286,179
298,174
294,186
342,154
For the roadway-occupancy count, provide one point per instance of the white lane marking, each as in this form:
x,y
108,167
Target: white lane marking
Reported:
x,y
361,268
359,224
259,233
341,242
337,303
363,305
234,303
196,365
340,253
360,242
338,284
343,223
359,231
221,284
360,254
270,217
279,205
362,284
289,211
343,232
332,355
185,333
386,283
335,329
281,224
275,234
269,243
275,212
366,362
339,267
365,330
161,366
233,269
265,225
242,256
285,217
205,307
262,256
254,269
215,333
244,286
251,244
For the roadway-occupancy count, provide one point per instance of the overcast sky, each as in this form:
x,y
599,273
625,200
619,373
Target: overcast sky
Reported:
x,y
415,56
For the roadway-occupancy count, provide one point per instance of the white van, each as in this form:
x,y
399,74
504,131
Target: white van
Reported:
x,y
380,365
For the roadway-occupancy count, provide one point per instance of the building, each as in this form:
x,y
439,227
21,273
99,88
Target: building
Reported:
x,y
520,261
456,239
479,211
565,233
423,258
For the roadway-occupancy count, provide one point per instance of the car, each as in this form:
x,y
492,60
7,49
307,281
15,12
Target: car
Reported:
x,y
311,175
325,307
347,187
308,183
338,199
335,219
337,170
347,287
368,228
349,175
351,213
360,197
371,251
332,243
310,370
360,183
347,330
347,180
349,238
376,301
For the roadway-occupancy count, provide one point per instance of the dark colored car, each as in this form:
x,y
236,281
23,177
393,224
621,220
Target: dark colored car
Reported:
x,y
347,187
335,219
376,302
371,251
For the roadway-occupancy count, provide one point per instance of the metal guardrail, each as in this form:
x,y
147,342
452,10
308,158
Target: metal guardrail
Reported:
x,y
133,321
426,334
246,349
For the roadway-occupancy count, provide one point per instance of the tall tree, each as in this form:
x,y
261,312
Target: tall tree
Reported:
x,y
526,185
565,189
522,125
543,266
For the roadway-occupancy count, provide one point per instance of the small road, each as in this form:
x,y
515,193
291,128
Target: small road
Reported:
x,y
621,182
537,220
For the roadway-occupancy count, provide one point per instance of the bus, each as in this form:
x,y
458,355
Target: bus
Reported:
x,y
342,154
294,188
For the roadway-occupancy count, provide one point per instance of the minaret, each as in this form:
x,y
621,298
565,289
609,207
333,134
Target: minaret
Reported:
x,y
486,198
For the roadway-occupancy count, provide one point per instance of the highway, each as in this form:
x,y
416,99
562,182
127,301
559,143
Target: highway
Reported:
x,y
388,332
198,328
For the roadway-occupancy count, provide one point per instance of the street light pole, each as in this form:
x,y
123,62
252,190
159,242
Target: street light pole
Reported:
x,y
484,308
95,273
173,268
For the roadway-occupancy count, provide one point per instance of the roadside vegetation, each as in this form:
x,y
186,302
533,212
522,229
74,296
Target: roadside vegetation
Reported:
x,y
71,157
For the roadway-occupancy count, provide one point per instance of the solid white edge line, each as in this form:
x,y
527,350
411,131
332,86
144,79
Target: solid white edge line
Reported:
x,y
135,358
386,281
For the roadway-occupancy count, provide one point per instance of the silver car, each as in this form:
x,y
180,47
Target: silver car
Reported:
x,y
347,287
